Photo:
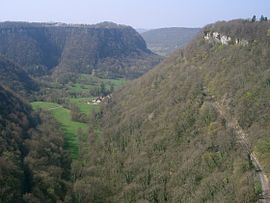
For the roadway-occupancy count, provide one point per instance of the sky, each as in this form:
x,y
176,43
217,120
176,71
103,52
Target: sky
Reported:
x,y
137,13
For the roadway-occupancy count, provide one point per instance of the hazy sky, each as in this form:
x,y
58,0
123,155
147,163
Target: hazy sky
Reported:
x,y
137,13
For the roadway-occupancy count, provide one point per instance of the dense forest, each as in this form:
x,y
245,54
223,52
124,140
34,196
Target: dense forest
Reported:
x,y
16,78
74,129
34,167
111,50
163,139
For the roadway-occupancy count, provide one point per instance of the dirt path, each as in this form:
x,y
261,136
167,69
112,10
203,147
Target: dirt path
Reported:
x,y
57,107
243,139
263,179
232,122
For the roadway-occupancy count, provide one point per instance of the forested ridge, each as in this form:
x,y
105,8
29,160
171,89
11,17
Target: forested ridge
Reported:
x,y
164,141
16,78
41,48
160,138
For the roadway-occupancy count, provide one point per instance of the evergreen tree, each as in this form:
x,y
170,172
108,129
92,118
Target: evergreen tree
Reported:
x,y
253,19
102,89
263,18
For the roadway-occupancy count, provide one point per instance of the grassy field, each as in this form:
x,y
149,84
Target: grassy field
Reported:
x,y
77,87
116,82
88,83
82,88
44,105
95,81
63,117
83,104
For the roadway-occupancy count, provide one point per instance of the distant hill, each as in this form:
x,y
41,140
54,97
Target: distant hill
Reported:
x,y
164,41
164,137
41,48
141,30
14,77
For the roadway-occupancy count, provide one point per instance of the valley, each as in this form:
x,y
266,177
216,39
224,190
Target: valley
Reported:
x,y
88,113
78,101
70,128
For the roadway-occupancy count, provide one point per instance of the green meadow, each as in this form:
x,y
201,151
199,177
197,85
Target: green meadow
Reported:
x,y
85,104
82,87
63,117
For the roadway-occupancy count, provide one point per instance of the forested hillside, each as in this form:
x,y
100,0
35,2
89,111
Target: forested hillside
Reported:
x,y
164,41
33,164
163,138
16,78
111,50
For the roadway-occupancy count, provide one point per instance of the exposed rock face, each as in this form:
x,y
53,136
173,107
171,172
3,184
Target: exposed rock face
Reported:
x,y
107,47
223,39
242,42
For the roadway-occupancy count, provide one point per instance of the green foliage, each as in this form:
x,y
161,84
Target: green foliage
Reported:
x,y
263,18
76,100
253,19
16,79
159,139
258,187
262,150
112,51
162,137
33,165
84,104
102,89
70,127
83,86
48,163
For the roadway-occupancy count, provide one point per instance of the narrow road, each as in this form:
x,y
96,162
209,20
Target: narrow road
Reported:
x,y
243,139
263,179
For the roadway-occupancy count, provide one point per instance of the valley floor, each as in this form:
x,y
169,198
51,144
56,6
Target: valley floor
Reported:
x,y
70,127
63,99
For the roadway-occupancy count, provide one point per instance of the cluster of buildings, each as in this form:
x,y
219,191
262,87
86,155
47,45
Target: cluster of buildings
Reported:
x,y
100,99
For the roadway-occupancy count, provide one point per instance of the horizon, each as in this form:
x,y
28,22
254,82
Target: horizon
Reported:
x,y
65,23
152,14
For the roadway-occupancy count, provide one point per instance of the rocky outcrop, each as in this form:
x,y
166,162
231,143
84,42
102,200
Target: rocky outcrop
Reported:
x,y
223,39
242,42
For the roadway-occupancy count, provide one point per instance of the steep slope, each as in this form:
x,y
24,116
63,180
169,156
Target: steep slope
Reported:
x,y
33,164
165,140
14,77
15,119
164,41
35,47
106,47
